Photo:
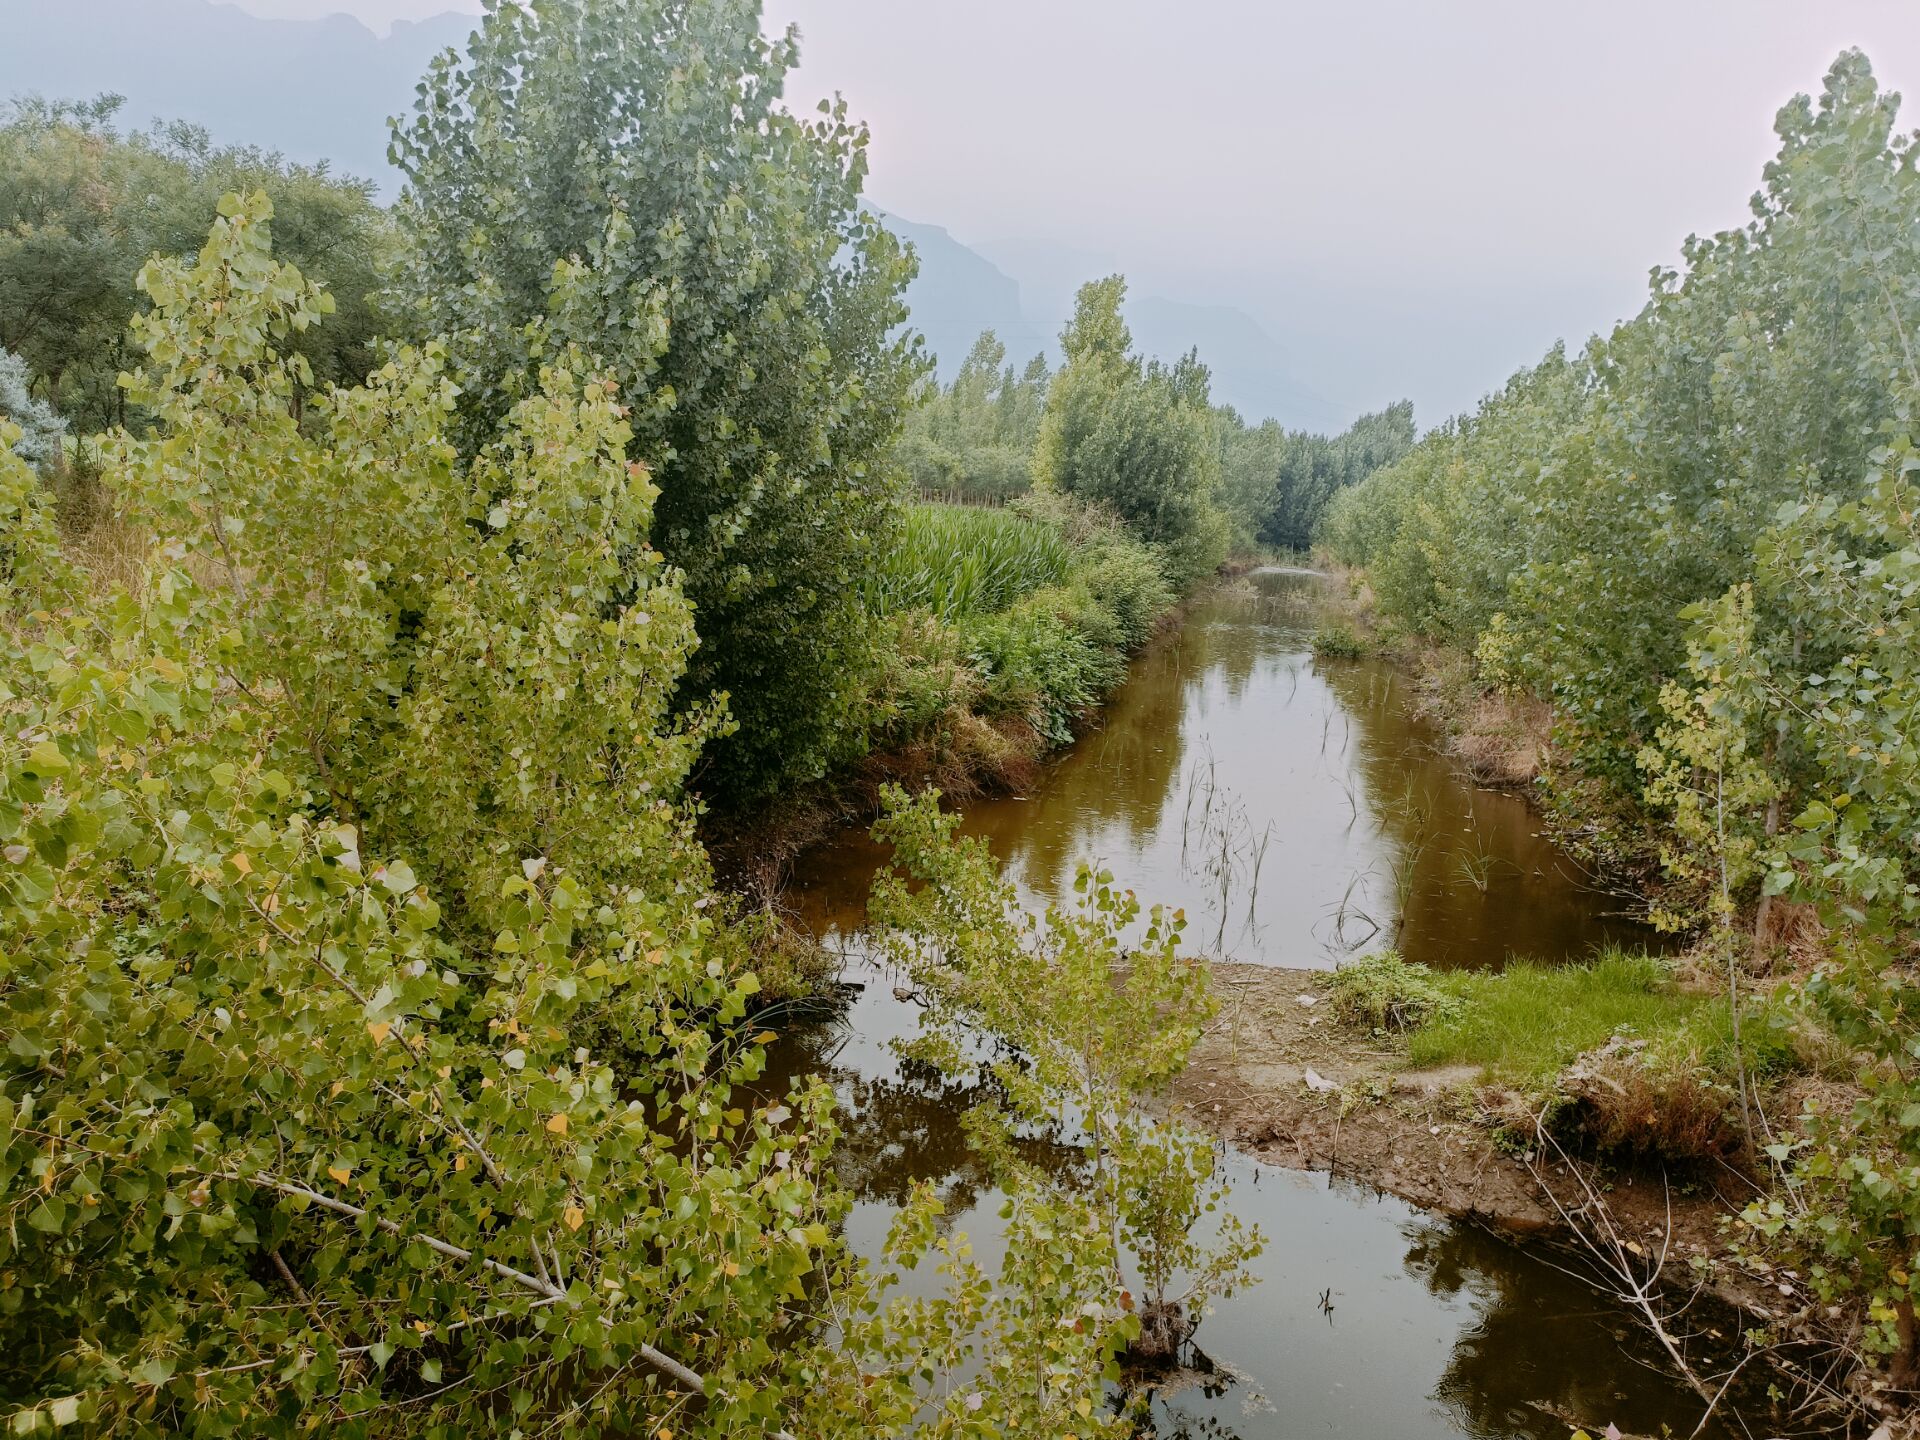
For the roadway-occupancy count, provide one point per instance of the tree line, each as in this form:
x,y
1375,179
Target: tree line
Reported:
x,y
1696,539
977,439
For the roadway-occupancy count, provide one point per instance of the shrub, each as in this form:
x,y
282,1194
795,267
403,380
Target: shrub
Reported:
x,y
1036,664
1630,1097
1385,992
41,431
1338,642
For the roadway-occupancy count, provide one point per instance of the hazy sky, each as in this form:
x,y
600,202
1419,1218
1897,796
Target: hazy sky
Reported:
x,y
1414,196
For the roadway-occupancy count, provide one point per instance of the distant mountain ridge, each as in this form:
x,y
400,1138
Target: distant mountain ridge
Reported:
x,y
322,90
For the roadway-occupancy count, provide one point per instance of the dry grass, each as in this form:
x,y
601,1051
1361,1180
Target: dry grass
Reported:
x,y
1628,1103
1501,737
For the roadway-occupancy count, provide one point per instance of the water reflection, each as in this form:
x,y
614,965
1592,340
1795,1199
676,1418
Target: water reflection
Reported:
x,y
1299,814
1293,807
1436,1329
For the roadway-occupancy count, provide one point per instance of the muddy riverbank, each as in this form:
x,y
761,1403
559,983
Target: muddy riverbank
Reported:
x,y
1280,1077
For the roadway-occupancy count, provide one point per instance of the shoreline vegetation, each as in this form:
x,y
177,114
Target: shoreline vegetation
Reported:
x,y
391,656
1667,584
381,1052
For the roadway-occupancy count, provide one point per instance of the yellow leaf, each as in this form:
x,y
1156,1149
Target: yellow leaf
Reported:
x,y
656,957
240,862
459,1162
732,1268
341,1173
379,1030
765,1037
444,1071
574,1216
558,1124
338,1086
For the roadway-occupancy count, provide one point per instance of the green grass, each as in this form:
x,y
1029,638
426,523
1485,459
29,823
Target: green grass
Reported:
x,y
958,560
1527,1022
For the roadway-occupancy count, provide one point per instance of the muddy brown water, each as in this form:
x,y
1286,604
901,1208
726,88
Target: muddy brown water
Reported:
x,y
1300,815
1293,806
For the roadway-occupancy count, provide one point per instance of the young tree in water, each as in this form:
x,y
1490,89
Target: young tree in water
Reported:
x,y
1098,1011
745,305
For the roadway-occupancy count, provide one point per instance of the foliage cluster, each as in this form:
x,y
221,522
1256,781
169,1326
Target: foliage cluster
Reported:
x,y
1066,992
973,440
1276,483
1034,609
41,431
83,206
1569,521
375,1048
1135,436
747,307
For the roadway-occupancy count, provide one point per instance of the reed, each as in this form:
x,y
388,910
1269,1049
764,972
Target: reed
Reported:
x,y
959,560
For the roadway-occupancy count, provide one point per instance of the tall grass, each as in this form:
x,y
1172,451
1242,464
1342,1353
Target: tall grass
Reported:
x,y
958,560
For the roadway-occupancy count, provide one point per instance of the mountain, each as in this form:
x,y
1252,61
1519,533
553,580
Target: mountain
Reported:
x,y
322,89
957,294
1251,370
312,89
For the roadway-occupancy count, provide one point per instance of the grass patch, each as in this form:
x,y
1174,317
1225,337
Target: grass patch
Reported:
x,y
1384,992
1526,1023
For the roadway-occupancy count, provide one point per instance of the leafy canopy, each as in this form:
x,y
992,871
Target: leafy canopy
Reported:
x,y
730,284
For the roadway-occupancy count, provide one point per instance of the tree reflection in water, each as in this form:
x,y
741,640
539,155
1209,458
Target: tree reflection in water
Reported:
x,y
1548,1351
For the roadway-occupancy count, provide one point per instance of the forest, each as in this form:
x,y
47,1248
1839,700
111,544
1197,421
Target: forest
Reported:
x,y
435,636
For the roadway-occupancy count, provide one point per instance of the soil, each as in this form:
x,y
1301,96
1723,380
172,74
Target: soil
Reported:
x,y
1284,1079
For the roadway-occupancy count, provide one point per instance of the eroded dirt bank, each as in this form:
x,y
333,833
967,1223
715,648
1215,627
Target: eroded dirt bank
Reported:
x,y
1278,1075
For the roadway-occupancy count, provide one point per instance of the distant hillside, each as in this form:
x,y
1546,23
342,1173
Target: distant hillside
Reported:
x,y
1251,370
957,295
312,89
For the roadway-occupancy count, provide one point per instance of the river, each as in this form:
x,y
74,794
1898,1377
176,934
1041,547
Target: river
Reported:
x,y
1300,814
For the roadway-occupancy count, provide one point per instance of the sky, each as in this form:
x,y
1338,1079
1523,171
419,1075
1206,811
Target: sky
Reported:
x,y
1412,196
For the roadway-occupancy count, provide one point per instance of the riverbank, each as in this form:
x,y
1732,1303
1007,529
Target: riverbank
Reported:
x,y
1282,1076
972,719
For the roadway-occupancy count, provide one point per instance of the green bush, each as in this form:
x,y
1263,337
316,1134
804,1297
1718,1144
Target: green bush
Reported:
x,y
1385,992
1036,664
1338,642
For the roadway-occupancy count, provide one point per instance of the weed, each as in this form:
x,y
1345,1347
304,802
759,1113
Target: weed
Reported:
x,y
1385,992
1339,642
